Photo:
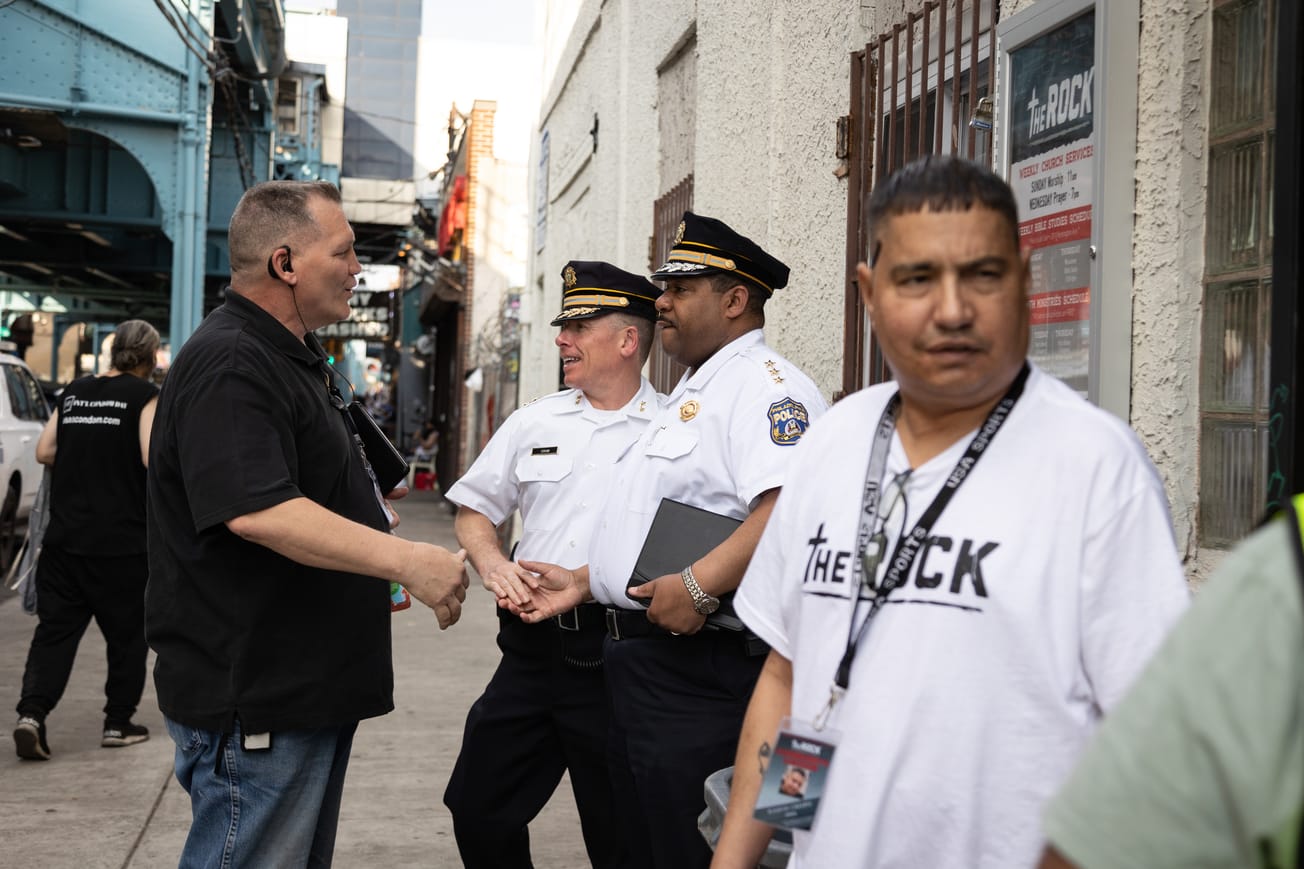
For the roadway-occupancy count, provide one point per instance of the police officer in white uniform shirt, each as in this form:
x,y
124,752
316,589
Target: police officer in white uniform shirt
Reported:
x,y
721,443
545,709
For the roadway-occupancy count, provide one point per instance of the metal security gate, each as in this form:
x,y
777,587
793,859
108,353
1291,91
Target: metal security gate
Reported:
x,y
667,211
922,87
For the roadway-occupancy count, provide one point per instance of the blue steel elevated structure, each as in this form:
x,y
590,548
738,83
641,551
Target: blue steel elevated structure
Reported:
x,y
128,130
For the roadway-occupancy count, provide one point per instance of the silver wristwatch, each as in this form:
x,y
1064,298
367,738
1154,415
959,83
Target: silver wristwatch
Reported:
x,y
703,603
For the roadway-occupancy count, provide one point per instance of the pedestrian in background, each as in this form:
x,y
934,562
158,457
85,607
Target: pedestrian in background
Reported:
x,y
1019,537
93,563
720,443
270,552
545,710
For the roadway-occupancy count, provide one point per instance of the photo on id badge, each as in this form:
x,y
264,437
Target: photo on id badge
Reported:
x,y
794,779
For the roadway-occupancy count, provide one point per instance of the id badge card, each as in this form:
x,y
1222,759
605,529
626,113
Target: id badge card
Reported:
x,y
794,778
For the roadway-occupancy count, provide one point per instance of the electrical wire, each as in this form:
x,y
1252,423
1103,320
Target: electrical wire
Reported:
x,y
205,56
184,16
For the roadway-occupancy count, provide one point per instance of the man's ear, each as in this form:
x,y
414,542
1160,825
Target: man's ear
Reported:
x,y
865,283
629,341
735,300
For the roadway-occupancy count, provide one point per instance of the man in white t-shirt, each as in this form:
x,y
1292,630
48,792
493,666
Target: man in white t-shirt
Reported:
x,y
965,569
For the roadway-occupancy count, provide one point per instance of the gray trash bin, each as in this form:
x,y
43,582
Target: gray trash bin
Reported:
x,y
716,791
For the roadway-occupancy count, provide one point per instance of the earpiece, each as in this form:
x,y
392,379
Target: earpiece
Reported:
x,y
271,263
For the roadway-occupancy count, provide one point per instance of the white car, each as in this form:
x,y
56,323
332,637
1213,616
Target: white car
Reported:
x,y
23,412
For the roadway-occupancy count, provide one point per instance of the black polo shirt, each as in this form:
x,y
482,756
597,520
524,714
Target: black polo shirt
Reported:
x,y
245,422
97,485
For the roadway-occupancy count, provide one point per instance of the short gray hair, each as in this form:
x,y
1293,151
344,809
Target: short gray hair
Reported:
x,y
274,213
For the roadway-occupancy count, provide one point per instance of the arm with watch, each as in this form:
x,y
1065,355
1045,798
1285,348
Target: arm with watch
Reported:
x,y
680,602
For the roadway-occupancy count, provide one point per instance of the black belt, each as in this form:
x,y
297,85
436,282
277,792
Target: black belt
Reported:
x,y
623,624
583,617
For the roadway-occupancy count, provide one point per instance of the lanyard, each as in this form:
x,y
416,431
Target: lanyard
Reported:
x,y
865,566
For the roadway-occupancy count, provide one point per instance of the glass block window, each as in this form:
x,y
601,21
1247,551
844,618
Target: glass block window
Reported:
x,y
1238,273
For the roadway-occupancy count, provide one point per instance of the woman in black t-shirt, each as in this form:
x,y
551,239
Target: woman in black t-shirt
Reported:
x,y
93,560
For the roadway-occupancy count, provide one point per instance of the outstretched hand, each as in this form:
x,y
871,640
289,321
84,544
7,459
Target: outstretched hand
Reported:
x,y
511,582
553,590
438,579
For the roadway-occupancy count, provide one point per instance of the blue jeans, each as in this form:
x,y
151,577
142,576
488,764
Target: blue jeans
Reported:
x,y
275,807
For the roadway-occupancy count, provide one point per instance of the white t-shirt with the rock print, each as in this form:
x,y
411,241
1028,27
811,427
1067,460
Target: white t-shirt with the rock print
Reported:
x,y
1042,590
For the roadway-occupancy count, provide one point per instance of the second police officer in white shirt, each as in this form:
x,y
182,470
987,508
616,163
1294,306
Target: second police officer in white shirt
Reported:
x,y
721,443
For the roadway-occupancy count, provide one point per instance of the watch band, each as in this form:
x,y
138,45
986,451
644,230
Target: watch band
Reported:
x,y
703,604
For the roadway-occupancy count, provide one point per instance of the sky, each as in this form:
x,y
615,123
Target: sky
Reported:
x,y
509,21
473,50
479,51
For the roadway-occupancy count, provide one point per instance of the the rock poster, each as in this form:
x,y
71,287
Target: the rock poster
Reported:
x,y
1052,169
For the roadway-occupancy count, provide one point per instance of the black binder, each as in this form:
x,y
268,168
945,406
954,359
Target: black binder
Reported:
x,y
681,534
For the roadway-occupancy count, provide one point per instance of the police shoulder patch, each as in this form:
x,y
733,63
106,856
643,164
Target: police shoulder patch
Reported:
x,y
788,421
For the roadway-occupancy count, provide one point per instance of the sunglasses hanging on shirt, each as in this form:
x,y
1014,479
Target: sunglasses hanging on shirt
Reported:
x,y
383,459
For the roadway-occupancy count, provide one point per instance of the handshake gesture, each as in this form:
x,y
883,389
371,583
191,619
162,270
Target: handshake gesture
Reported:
x,y
535,591
437,578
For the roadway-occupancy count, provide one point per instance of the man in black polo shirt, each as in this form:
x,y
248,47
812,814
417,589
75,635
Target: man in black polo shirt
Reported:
x,y
268,602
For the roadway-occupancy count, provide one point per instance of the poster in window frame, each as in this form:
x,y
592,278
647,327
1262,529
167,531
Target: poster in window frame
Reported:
x,y
1053,164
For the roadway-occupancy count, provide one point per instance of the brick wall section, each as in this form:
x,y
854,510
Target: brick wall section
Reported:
x,y
480,150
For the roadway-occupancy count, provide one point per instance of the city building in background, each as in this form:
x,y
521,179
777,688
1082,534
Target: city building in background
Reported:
x,y
474,268
1148,150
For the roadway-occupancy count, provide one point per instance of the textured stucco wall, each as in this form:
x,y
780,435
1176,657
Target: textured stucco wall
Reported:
x,y
677,126
1168,252
771,79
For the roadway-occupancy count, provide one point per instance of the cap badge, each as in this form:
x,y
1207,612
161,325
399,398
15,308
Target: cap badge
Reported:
x,y
679,233
689,409
569,277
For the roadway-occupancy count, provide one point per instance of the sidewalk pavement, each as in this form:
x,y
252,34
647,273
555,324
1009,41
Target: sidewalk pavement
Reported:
x,y
121,808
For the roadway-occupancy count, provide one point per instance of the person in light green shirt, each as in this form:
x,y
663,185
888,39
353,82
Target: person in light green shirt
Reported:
x,y
1202,763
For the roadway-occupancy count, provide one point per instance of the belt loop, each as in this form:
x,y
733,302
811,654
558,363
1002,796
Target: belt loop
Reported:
x,y
613,624
569,620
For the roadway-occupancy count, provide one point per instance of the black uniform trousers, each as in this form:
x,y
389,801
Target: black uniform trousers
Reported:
x,y
71,590
677,708
544,712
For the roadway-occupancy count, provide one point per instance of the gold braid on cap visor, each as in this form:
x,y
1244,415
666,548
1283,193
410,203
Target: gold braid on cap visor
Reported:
x,y
572,300
707,260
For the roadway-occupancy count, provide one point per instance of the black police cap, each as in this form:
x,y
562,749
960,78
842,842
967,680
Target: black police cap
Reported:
x,y
596,288
705,246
